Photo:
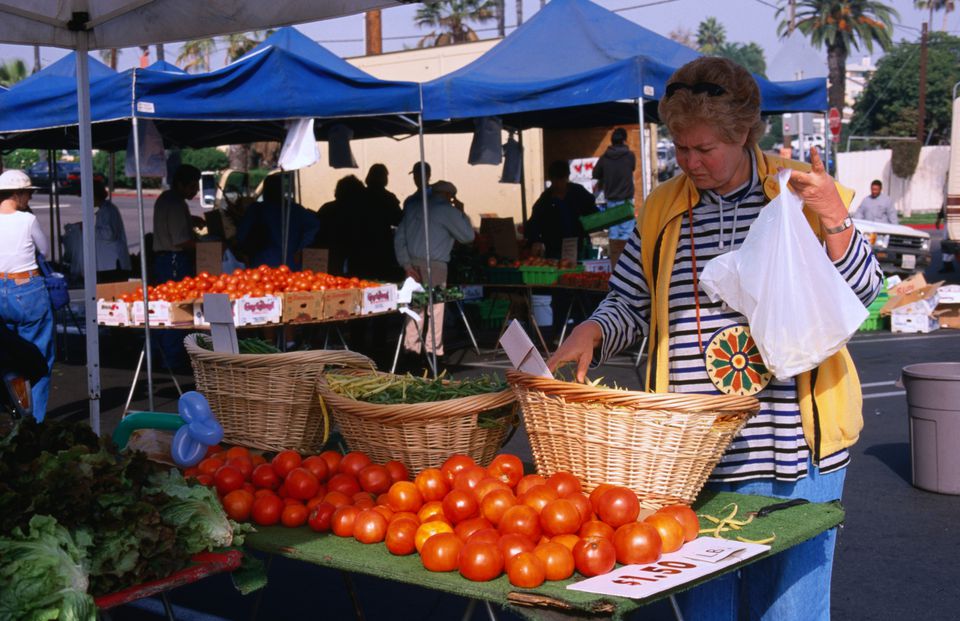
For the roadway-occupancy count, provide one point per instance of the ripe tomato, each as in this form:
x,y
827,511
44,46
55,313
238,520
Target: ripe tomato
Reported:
x,y
385,511
441,552
618,506
467,527
401,515
637,542
513,544
582,503
559,517
294,515
538,497
468,478
267,510
480,561
506,468
257,459
400,536
370,527
285,461
526,570
596,528
237,451
496,503
432,484
557,560
487,485
210,465
485,535
398,472
321,517
363,500
565,484
593,557
597,492
333,460
238,505
568,541
427,530
343,520
191,472
460,505
337,499
318,466
671,533
404,496
265,477
429,510
243,465
227,479
343,482
454,464
374,479
687,518
353,462
301,484
522,520
530,480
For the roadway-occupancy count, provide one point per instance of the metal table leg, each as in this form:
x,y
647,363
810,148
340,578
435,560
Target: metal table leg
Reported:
x,y
466,323
133,386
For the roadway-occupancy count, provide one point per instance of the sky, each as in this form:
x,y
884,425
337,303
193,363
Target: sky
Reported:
x,y
744,20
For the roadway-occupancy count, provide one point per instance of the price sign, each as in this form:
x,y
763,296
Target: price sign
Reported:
x,y
701,557
569,249
316,259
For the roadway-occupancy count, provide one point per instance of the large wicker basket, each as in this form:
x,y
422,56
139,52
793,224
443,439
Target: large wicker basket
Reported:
x,y
422,435
662,446
268,401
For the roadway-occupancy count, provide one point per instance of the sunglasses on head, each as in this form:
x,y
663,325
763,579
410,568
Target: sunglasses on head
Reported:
x,y
711,89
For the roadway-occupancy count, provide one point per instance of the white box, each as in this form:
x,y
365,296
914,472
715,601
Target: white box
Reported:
x,y
113,313
949,294
909,323
597,266
259,311
163,313
380,299
200,321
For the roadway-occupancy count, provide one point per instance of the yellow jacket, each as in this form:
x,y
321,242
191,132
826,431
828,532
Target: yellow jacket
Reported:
x,y
833,416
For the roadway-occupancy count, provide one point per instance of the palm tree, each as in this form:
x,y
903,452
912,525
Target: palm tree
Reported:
x,y
452,17
841,26
711,35
241,43
195,55
683,36
936,5
12,71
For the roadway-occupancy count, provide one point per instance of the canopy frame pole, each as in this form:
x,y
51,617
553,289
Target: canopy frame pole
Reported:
x,y
89,231
285,191
53,232
523,179
432,354
135,128
644,157
827,139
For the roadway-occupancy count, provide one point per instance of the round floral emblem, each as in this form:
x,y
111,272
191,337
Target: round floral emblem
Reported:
x,y
734,363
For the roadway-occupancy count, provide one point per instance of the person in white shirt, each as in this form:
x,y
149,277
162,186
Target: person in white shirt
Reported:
x,y
877,207
113,255
24,301
173,237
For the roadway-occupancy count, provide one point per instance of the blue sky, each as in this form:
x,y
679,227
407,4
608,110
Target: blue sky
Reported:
x,y
744,20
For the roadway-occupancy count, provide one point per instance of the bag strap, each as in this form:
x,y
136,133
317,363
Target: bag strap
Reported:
x,y
43,266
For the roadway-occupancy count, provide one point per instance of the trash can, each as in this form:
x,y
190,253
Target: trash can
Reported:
x,y
933,404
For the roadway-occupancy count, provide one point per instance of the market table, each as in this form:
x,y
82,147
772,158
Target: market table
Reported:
x,y
790,526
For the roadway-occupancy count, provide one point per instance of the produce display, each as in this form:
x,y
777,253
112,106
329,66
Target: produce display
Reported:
x,y
244,346
563,264
79,520
440,294
481,522
585,280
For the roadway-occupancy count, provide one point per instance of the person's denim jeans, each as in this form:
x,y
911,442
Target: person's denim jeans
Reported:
x,y
794,584
26,310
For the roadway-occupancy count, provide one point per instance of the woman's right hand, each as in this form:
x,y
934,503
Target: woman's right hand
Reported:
x,y
578,348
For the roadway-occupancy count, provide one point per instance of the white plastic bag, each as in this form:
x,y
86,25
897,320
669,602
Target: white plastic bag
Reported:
x,y
800,310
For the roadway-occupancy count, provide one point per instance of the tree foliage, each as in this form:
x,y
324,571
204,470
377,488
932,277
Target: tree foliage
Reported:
x,y
21,158
749,55
12,71
711,35
451,17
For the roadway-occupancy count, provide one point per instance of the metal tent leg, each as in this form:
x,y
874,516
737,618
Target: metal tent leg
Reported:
x,y
466,323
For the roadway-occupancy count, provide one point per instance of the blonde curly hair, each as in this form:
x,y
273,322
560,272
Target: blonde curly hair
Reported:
x,y
734,113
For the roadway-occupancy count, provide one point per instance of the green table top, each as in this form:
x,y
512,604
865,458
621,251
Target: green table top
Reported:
x,y
790,526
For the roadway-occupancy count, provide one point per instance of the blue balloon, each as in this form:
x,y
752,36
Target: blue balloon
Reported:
x,y
185,450
201,430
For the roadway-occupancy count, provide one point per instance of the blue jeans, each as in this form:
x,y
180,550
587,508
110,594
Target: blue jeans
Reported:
x,y
26,310
622,230
171,266
794,584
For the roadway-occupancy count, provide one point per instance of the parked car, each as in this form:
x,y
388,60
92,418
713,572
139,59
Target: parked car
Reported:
x,y
68,176
899,249
666,161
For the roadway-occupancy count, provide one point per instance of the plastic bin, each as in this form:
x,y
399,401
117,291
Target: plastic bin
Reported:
x,y
607,218
933,403
539,274
542,310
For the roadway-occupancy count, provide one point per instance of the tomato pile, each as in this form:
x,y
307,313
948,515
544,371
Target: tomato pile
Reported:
x,y
482,522
256,282
586,280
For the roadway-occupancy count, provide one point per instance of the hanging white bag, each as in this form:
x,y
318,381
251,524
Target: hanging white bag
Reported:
x,y
800,309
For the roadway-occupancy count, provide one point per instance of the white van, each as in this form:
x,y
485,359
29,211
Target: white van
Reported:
x,y
899,249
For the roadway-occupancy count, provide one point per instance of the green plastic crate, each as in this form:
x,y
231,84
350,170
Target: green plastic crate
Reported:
x,y
607,218
873,323
539,274
492,312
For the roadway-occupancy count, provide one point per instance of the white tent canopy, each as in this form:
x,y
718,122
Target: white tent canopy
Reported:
x,y
83,25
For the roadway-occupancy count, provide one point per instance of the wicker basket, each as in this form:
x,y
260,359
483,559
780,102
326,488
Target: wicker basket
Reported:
x,y
662,446
421,435
268,401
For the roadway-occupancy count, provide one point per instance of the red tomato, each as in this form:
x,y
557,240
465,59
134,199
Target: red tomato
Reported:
x,y
404,515
321,517
429,510
227,479
637,542
294,515
363,500
687,518
333,460
460,505
454,464
353,462
205,479
467,527
496,503
526,570
671,533
370,526
404,496
345,483
374,479
593,557
301,484
318,466
557,560
596,528
267,510
400,536
522,520
530,480
487,485
506,468
264,476
285,461
343,520
480,561
243,465
210,465
238,505
337,499
582,503
441,552
618,506
597,492
398,472
426,530
538,497
485,535
567,541
513,544
432,484
565,484
559,517
468,478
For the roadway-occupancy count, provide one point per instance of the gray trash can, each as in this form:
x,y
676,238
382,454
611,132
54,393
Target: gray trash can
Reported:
x,y
933,400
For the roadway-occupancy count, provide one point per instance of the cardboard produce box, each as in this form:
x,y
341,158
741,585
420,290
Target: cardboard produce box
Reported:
x,y
341,303
912,304
300,306
948,316
164,313
200,320
259,311
111,311
380,299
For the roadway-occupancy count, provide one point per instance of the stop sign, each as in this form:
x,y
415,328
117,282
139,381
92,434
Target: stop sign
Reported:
x,y
834,119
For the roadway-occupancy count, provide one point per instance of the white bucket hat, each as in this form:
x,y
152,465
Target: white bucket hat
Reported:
x,y
15,180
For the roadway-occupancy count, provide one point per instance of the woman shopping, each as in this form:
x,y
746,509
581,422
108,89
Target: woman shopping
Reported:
x,y
796,445
24,301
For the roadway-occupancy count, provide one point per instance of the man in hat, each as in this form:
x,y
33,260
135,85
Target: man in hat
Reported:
x,y
418,180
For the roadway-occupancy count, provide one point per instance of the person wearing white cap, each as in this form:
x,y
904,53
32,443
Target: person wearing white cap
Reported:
x,y
24,301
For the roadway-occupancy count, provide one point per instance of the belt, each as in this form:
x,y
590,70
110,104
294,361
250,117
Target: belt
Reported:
x,y
18,275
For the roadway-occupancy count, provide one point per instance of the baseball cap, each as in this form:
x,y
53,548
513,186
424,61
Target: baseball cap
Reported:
x,y
446,187
15,180
416,169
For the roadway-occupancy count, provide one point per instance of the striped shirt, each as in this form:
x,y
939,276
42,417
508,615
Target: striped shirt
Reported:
x,y
771,444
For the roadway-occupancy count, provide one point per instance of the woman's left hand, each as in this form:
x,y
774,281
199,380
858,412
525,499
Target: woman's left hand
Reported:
x,y
819,192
